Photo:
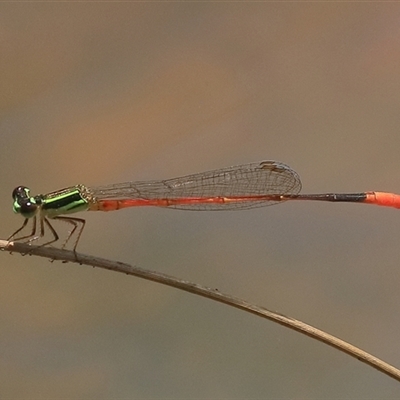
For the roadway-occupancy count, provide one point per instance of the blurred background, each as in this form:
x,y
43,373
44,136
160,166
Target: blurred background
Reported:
x,y
100,93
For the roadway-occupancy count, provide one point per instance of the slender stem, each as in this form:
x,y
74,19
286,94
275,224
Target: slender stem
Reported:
x,y
213,294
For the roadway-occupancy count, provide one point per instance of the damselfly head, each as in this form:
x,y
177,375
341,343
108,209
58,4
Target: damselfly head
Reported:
x,y
24,204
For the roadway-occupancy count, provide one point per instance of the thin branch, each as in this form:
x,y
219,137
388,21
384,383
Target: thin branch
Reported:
x,y
213,294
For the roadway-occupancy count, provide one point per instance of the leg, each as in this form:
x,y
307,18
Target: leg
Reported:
x,y
78,226
31,235
77,223
52,230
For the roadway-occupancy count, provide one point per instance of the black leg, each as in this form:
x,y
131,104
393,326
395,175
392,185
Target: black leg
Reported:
x,y
52,230
31,235
78,226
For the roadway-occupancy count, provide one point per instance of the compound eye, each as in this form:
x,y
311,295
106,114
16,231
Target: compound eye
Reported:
x,y
27,208
20,192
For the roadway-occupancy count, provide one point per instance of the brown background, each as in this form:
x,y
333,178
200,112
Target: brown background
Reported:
x,y
98,93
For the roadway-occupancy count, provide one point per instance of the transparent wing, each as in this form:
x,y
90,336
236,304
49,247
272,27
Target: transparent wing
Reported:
x,y
255,179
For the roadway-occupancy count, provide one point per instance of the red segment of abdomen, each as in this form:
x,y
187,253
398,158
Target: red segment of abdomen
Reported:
x,y
383,199
112,205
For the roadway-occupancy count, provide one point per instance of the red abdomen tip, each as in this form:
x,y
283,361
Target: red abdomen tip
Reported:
x,y
383,199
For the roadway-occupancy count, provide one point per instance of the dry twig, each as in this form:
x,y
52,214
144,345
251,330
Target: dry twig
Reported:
x,y
213,294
